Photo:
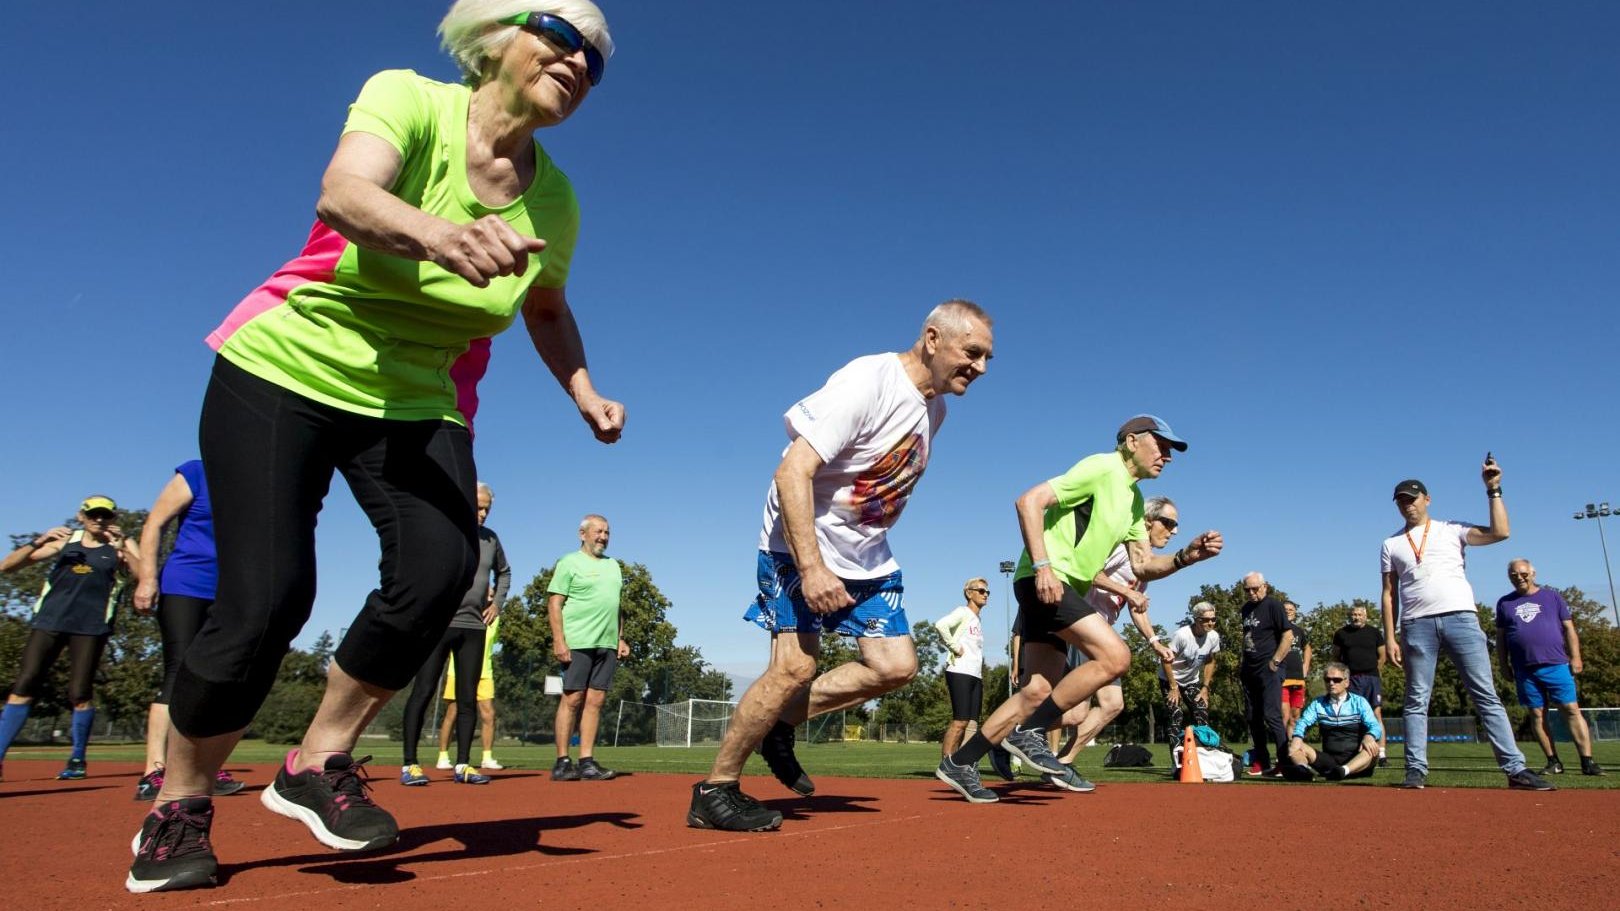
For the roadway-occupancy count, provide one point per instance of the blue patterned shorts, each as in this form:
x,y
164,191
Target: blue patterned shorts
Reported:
x,y
780,606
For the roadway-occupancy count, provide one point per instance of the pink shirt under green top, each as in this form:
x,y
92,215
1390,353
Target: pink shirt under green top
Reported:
x,y
390,337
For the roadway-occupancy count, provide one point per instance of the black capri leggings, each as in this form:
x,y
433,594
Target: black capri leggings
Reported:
x,y
179,617
41,651
269,454
967,695
467,647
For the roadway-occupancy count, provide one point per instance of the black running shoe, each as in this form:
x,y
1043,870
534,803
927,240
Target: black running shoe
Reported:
x,y
1554,766
564,770
172,850
149,785
590,771
225,785
1001,762
334,804
724,806
1526,780
964,780
73,772
777,751
1029,745
1414,780
1589,766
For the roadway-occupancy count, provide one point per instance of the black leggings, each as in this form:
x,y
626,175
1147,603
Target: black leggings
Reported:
x,y
467,645
179,617
41,651
269,454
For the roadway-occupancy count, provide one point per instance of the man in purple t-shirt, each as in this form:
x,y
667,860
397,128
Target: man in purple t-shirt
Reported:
x,y
1538,640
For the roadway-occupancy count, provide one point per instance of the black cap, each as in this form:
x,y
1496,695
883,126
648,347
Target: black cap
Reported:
x,y
1411,487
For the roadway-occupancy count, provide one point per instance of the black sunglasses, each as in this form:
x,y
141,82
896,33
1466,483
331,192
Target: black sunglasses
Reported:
x,y
982,591
562,33
101,515
1335,679
1167,523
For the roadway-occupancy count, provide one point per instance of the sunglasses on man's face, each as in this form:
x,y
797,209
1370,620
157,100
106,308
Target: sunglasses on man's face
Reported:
x,y
1251,588
1169,524
1335,679
560,33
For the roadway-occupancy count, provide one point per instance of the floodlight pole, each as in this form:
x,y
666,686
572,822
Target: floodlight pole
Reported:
x,y
1597,511
1007,567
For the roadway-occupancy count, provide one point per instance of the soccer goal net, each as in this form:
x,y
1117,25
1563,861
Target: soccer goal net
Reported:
x,y
693,722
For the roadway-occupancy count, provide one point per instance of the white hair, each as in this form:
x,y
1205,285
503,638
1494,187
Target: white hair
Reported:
x,y
470,32
954,316
1155,506
586,522
484,488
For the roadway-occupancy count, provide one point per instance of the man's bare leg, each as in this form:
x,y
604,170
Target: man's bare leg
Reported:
x,y
1110,702
792,667
589,720
885,665
567,709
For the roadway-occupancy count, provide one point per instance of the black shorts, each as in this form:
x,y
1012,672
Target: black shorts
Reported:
x,y
1326,762
1042,622
590,668
967,695
1369,687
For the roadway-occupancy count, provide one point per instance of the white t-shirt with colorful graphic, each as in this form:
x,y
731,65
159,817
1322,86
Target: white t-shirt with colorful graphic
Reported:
x,y
1437,584
873,430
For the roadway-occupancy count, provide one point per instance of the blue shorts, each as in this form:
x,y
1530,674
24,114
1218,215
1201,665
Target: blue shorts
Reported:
x,y
1369,687
780,607
1544,683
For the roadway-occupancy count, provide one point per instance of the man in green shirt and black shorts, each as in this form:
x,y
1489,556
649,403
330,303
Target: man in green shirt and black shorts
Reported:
x,y
1070,525
583,605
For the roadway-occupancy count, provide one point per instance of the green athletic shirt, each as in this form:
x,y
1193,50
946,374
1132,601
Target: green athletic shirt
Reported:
x,y
1079,551
591,609
390,337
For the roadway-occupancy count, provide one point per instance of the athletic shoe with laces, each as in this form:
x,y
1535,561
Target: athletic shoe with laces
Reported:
x,y
1554,766
1337,773
1275,771
73,772
1070,781
1029,744
777,751
172,850
224,784
589,770
1001,762
412,776
150,784
564,770
1526,780
724,806
465,774
333,803
1589,766
491,765
444,764
1254,770
1414,780
964,780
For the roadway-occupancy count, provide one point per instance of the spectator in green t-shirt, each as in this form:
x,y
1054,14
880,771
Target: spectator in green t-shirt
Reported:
x,y
583,605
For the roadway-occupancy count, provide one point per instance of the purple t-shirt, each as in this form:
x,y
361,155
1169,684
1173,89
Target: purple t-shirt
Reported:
x,y
1534,626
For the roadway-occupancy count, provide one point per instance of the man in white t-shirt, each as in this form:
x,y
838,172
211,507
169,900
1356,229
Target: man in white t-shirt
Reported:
x,y
857,448
1423,571
964,674
1186,678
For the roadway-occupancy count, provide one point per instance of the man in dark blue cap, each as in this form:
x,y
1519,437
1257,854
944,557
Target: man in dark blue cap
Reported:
x,y
1070,524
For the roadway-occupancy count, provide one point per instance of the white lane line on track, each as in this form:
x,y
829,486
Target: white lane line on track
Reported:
x,y
558,863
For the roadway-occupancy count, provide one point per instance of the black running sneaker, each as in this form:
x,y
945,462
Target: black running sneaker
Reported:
x,y
1001,763
334,804
724,806
564,770
225,785
1589,766
149,785
777,751
1414,780
1554,766
73,772
964,780
1029,744
590,771
172,850
1526,780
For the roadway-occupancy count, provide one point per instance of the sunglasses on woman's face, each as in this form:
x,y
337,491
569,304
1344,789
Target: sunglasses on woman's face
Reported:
x,y
560,33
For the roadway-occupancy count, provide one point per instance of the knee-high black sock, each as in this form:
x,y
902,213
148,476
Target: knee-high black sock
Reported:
x,y
971,752
1044,716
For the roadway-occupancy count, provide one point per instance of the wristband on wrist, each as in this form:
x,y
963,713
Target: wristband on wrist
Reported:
x,y
1181,560
1494,493
1041,564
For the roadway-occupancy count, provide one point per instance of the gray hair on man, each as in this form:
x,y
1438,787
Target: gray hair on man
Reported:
x,y
1154,507
586,522
952,316
472,33
1341,668
485,489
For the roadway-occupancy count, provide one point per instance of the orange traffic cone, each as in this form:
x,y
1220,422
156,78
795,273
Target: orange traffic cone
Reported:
x,y
1189,759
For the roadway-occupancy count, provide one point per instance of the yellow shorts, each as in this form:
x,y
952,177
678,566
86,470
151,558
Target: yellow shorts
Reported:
x,y
486,688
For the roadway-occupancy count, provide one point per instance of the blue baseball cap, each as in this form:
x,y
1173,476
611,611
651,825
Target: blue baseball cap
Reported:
x,y
1147,423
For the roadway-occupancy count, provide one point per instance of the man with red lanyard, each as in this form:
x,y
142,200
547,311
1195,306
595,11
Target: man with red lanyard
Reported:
x,y
1423,572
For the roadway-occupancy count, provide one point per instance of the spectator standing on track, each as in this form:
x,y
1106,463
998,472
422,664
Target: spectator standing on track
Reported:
x,y
964,674
440,220
486,706
1361,648
857,447
1070,524
1536,637
1186,678
465,643
1423,571
1350,732
74,612
1296,668
181,596
587,636
1267,638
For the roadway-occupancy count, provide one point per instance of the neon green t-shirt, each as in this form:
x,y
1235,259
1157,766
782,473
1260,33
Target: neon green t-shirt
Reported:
x,y
591,609
390,337
1079,545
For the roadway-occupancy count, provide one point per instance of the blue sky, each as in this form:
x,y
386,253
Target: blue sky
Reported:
x,y
1334,245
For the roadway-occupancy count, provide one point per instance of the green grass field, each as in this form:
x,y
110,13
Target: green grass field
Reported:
x,y
1451,764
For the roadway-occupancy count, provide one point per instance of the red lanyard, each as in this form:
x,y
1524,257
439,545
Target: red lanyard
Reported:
x,y
1417,549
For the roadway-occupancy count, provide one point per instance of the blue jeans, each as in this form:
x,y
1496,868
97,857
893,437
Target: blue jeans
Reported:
x,y
1459,635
